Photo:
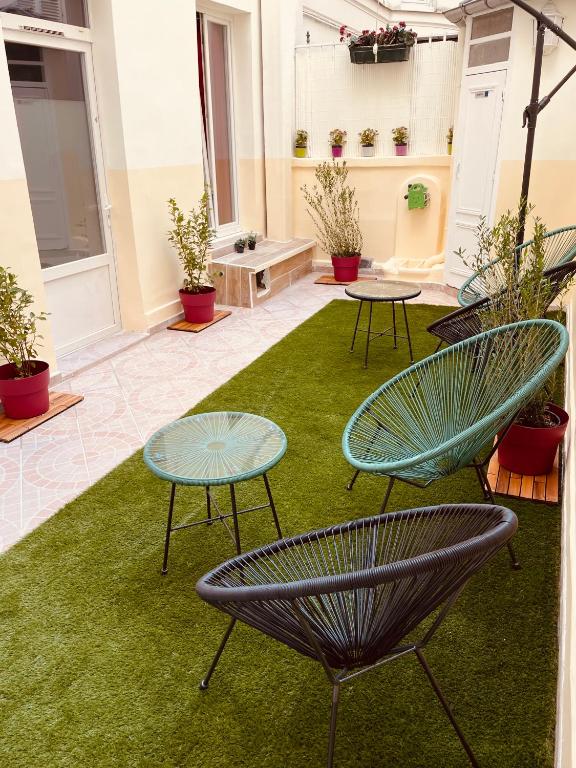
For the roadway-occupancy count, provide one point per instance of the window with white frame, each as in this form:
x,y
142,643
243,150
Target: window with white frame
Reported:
x,y
62,11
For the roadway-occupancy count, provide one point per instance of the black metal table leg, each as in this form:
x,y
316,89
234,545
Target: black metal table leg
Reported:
x,y
356,326
235,518
272,505
394,323
168,530
208,506
368,335
407,331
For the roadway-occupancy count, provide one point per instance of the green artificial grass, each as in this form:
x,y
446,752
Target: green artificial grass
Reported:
x,y
100,657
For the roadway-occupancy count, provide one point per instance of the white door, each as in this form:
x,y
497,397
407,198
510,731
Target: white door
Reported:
x,y
473,192
54,100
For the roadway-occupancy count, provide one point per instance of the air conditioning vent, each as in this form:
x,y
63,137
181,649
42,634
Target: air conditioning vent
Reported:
x,y
42,31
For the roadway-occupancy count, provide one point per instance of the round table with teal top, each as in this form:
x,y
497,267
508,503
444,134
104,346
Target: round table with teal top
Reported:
x,y
214,449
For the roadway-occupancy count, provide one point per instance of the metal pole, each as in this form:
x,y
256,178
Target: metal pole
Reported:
x,y
530,119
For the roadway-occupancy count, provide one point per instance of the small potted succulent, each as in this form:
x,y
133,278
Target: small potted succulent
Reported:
x,y
24,380
379,46
449,139
400,139
530,444
301,143
337,139
367,141
251,240
333,208
192,237
239,245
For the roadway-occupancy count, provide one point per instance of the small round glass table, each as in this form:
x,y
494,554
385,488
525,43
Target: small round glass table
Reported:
x,y
214,449
382,291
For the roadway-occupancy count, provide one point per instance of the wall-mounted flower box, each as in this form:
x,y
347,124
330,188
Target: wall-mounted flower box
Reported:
x,y
394,44
364,54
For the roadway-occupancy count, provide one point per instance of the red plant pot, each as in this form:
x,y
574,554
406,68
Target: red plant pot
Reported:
x,y
532,450
401,149
198,307
346,268
336,151
26,397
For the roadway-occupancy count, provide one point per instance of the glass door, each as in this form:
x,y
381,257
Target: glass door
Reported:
x,y
52,94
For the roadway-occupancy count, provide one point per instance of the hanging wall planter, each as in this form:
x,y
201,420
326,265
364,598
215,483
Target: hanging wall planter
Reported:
x,y
386,54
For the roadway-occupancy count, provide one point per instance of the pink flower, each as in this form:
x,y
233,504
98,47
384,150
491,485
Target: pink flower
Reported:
x,y
403,24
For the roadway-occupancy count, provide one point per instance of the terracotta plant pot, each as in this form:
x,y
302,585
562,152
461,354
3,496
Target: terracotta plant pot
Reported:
x,y
300,151
368,150
198,307
532,450
336,151
26,397
401,149
346,268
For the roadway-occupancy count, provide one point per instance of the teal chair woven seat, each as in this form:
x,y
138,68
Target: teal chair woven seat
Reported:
x,y
559,248
443,413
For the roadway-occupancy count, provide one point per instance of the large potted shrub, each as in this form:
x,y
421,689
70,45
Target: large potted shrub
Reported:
x,y
333,208
379,46
24,380
192,236
530,444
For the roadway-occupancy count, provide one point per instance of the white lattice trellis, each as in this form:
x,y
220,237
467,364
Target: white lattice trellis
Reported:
x,y
331,92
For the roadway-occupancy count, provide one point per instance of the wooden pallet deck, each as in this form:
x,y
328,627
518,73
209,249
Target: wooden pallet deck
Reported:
x,y
10,429
544,488
331,280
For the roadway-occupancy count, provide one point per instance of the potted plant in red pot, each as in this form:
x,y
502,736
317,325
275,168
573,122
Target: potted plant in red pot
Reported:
x,y
192,237
530,444
400,139
337,140
333,208
24,380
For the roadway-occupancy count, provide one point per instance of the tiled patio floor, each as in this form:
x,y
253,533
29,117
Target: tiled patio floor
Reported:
x,y
143,383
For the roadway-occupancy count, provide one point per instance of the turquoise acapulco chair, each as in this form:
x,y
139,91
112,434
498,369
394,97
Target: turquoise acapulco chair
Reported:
x,y
443,413
559,248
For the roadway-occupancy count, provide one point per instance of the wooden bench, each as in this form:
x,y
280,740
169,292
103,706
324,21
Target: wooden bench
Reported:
x,y
251,277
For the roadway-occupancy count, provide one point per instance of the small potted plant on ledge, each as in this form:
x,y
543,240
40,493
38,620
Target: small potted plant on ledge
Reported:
x,y
251,241
368,141
449,139
24,380
333,208
379,46
337,139
400,139
301,143
239,245
530,444
192,236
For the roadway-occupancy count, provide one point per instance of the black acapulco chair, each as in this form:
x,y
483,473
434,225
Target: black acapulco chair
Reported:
x,y
466,322
347,596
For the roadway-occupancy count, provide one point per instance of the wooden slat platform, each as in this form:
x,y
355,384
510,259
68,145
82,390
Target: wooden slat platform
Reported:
x,y
184,325
545,488
331,280
11,429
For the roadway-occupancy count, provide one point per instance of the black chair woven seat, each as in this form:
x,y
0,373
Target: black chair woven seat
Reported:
x,y
348,595
466,322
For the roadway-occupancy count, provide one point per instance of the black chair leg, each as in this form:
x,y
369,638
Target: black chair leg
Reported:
x,y
333,719
387,496
206,680
351,483
446,706
489,496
